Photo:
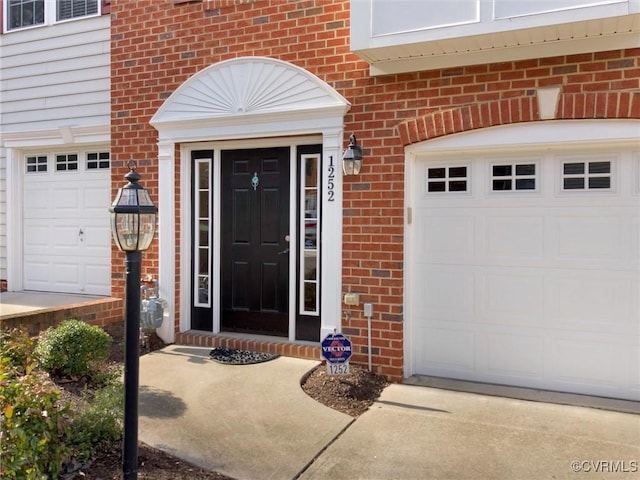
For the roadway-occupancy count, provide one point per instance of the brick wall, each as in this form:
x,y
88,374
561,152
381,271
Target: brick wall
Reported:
x,y
97,312
157,45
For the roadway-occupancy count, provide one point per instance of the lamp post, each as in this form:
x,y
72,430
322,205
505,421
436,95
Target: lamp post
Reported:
x,y
133,225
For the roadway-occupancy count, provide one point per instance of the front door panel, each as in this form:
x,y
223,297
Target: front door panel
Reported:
x,y
255,241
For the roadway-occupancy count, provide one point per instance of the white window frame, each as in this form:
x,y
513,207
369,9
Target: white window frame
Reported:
x,y
586,175
197,275
304,250
36,156
50,16
536,177
99,159
447,179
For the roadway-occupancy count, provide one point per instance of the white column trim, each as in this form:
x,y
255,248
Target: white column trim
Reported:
x,y
15,253
166,236
331,260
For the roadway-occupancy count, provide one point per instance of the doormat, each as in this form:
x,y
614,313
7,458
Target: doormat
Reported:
x,y
233,356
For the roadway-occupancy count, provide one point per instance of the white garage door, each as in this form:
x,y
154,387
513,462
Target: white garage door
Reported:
x,y
524,270
66,223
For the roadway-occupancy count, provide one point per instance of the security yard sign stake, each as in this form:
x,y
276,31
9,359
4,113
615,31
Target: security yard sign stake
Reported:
x,y
336,350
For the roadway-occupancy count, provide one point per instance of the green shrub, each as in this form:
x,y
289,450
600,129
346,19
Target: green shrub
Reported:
x,y
73,348
16,349
98,422
33,427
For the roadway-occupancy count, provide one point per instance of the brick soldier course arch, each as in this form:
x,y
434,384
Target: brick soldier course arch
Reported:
x,y
573,106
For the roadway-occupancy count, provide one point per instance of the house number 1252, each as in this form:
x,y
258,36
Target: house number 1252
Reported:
x,y
331,181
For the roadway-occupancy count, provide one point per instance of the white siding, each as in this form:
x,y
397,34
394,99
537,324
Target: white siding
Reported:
x,y
56,75
50,77
3,215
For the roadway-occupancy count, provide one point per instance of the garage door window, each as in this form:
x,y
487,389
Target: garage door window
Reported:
x,y
586,175
98,160
66,162
447,179
37,163
510,177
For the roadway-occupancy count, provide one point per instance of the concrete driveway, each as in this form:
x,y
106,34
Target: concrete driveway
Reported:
x,y
254,422
425,433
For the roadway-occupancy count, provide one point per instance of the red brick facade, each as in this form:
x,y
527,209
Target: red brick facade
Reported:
x,y
158,44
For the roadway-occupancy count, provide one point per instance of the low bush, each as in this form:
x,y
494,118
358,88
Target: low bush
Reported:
x,y
16,350
33,426
73,349
98,422
42,437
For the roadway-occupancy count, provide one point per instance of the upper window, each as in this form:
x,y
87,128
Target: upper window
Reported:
x,y
28,13
75,8
25,13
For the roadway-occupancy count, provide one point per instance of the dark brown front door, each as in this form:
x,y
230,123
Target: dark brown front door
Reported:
x,y
255,241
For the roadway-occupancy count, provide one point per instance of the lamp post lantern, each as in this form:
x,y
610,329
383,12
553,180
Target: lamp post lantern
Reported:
x,y
352,158
133,225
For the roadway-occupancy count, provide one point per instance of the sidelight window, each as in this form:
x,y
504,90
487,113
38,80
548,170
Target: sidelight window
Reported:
x,y
309,243
202,235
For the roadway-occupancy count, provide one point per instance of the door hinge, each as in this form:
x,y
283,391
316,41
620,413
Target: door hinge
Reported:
x,y
409,215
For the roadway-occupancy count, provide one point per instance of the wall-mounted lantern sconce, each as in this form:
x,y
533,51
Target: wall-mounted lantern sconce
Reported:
x,y
352,158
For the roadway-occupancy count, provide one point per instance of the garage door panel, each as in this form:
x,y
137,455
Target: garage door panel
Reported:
x,y
36,237
511,237
97,277
592,357
587,238
445,349
36,274
511,355
452,296
513,297
593,301
37,203
446,239
66,201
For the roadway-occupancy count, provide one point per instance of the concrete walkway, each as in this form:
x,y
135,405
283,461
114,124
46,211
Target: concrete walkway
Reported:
x,y
254,422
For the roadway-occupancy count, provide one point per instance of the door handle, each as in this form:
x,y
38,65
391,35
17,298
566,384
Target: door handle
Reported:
x,y
286,250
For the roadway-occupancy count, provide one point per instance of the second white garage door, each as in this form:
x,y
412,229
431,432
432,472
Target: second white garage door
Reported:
x,y
67,237
524,269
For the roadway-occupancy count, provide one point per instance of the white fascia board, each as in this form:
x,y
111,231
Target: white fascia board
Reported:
x,y
57,136
250,126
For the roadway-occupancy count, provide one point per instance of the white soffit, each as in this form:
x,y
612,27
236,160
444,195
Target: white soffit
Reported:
x,y
251,94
